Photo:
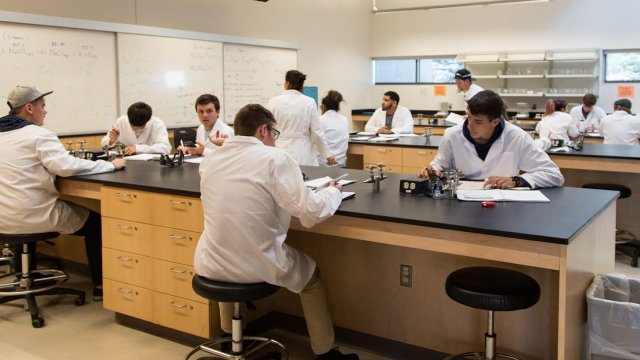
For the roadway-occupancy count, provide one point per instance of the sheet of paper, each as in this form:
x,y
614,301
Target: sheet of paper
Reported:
x,y
346,182
366,133
194,160
348,195
314,183
471,185
455,118
361,138
502,195
396,135
143,157
383,139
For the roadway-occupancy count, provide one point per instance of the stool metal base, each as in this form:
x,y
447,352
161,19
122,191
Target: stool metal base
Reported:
x,y
480,355
44,279
259,344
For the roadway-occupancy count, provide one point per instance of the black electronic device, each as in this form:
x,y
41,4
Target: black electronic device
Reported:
x,y
176,160
414,186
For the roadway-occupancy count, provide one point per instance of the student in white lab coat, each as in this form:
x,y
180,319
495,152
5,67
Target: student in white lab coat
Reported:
x,y
556,124
301,134
212,131
464,82
33,157
621,127
336,129
486,147
587,117
139,132
390,118
246,244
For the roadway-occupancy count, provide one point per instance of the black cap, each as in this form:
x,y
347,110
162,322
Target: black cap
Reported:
x,y
623,102
463,74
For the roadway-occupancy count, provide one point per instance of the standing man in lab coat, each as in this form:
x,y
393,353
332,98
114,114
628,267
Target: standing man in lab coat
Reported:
x,y
464,82
390,118
621,127
246,244
301,134
33,157
486,147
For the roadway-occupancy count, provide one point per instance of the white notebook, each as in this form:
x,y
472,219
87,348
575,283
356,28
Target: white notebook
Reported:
x,y
502,195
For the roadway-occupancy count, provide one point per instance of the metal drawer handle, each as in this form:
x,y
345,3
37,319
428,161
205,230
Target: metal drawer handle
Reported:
x,y
180,306
423,153
173,202
382,150
124,227
173,270
121,258
175,237
127,292
126,195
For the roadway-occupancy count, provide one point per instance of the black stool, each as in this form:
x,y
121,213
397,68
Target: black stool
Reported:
x,y
492,289
237,294
29,282
626,242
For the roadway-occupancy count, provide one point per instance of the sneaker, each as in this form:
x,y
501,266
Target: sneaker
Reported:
x,y
97,294
335,354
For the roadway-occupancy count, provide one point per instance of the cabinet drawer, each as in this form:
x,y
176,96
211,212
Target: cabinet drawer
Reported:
x,y
387,155
127,299
411,170
127,236
174,279
174,245
178,212
418,157
181,314
127,267
126,204
387,169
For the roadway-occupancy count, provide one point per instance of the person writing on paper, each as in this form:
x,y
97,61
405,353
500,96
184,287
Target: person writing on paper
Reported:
x,y
621,127
301,134
587,117
138,132
390,118
556,124
249,169
212,131
465,85
486,147
33,158
336,129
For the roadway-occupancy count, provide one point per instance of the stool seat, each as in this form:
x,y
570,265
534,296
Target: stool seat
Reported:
x,y
19,239
491,288
221,291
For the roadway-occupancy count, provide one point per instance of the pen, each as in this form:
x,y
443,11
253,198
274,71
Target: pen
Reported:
x,y
181,143
330,181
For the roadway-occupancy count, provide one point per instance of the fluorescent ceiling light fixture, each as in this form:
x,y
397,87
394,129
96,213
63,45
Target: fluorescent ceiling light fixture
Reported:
x,y
375,10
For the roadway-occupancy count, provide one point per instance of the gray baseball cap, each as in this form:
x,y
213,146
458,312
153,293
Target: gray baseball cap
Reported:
x,y
24,94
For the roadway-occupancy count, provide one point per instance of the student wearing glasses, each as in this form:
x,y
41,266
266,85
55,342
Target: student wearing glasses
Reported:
x,y
249,170
301,132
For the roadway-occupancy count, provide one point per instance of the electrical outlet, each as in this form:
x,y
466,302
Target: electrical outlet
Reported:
x,y
406,274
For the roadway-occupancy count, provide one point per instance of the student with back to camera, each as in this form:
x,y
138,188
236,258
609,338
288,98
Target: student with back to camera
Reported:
x,y
336,129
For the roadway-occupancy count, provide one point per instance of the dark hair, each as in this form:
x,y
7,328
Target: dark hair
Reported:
x,y
589,99
296,79
488,103
250,118
139,114
554,105
393,95
205,99
332,100
16,111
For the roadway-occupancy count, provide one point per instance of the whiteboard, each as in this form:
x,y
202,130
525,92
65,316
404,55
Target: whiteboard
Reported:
x,y
254,74
168,74
79,66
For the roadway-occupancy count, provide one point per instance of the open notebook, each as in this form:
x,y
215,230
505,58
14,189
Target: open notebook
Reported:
x,y
502,195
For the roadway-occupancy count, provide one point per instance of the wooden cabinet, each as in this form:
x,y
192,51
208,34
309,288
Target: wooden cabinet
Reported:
x,y
149,241
415,159
398,159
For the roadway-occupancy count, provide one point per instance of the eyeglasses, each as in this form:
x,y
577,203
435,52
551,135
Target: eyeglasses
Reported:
x,y
276,132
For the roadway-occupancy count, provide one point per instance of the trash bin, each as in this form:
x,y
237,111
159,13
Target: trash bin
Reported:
x,y
614,317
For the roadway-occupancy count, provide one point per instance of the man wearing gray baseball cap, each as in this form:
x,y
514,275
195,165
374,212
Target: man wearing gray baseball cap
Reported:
x,y
32,158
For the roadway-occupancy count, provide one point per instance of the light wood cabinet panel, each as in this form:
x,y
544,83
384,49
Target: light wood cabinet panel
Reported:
x,y
174,245
126,204
417,157
387,155
174,279
178,212
411,170
181,314
387,168
128,299
127,236
127,267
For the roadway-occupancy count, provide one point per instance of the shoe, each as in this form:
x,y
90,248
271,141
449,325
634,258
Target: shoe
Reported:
x,y
335,354
97,294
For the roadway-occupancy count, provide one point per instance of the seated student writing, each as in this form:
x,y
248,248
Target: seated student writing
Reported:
x,y
486,147
139,132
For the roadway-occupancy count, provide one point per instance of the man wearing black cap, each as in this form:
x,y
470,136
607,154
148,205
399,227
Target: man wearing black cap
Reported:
x,y
32,158
463,81
621,127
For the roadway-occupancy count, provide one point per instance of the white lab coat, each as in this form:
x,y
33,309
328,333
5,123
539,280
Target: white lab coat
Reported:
x,y
514,151
473,90
592,119
336,133
620,128
299,126
154,139
249,193
558,125
219,125
33,157
402,122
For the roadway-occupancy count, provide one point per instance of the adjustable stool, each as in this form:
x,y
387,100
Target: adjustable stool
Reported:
x,y
492,289
237,294
29,282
